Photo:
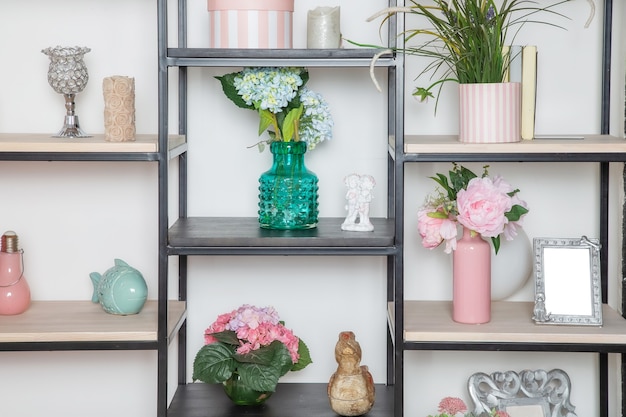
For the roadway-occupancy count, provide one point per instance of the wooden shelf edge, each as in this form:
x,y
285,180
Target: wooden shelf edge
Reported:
x,y
39,142
511,322
449,144
84,321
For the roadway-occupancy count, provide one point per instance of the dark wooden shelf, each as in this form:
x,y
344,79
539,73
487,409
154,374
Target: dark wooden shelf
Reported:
x,y
289,400
237,235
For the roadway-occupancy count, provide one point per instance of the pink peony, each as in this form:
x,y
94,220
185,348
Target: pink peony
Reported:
x,y
435,230
452,406
482,207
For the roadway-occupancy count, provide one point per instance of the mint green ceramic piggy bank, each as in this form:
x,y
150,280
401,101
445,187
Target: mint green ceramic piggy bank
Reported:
x,y
120,290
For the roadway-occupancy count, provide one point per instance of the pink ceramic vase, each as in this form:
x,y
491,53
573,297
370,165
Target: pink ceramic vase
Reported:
x,y
14,290
471,269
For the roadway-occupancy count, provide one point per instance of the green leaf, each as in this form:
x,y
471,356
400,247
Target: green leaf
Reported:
x,y
227,336
228,86
267,119
289,126
214,363
496,243
282,358
259,377
442,180
437,215
460,177
515,213
422,93
264,355
304,74
305,357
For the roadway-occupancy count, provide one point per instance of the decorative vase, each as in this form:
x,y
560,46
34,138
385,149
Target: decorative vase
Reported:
x,y
241,394
471,284
67,75
288,190
14,290
250,23
490,113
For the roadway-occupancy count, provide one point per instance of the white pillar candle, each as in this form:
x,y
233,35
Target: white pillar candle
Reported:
x,y
323,30
119,108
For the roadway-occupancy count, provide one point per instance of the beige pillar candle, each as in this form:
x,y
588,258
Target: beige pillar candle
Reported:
x,y
119,108
323,28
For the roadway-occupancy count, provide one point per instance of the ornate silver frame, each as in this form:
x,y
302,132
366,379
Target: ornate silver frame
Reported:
x,y
549,390
567,281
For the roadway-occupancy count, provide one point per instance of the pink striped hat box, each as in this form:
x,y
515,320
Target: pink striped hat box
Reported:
x,y
250,23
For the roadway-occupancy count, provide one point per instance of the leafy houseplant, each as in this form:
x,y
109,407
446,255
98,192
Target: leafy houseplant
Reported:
x,y
466,38
252,343
487,206
288,110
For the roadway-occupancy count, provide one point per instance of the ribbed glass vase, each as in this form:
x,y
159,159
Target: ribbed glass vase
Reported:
x,y
288,191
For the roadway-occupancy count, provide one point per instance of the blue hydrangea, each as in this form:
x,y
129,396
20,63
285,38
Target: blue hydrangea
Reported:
x,y
271,90
268,88
316,123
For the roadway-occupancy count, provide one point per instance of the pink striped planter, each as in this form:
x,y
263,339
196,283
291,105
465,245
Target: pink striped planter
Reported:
x,y
490,113
250,23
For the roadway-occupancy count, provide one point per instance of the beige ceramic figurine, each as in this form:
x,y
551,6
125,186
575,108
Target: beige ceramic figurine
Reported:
x,y
351,387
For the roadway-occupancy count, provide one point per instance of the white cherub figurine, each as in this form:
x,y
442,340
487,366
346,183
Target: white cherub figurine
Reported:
x,y
359,196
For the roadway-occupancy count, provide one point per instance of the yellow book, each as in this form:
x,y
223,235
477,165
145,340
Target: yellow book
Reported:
x,y
529,90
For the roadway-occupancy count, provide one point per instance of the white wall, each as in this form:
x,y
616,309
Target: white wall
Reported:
x,y
74,218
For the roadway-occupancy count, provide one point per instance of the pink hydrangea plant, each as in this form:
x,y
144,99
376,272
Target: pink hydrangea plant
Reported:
x,y
253,343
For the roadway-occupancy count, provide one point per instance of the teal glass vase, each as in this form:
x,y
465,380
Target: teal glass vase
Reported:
x,y
288,191
241,394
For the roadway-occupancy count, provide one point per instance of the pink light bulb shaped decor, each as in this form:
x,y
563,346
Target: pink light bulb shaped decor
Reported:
x,y
14,290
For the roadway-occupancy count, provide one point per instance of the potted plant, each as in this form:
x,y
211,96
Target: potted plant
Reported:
x,y
484,207
247,351
464,41
297,119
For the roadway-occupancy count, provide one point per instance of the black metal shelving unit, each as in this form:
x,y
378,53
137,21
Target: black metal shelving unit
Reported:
x,y
192,236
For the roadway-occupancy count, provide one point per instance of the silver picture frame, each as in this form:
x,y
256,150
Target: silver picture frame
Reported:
x,y
530,393
567,281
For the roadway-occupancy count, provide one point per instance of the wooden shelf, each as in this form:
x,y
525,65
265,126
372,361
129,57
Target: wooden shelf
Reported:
x,y
449,144
84,321
511,322
27,142
289,400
